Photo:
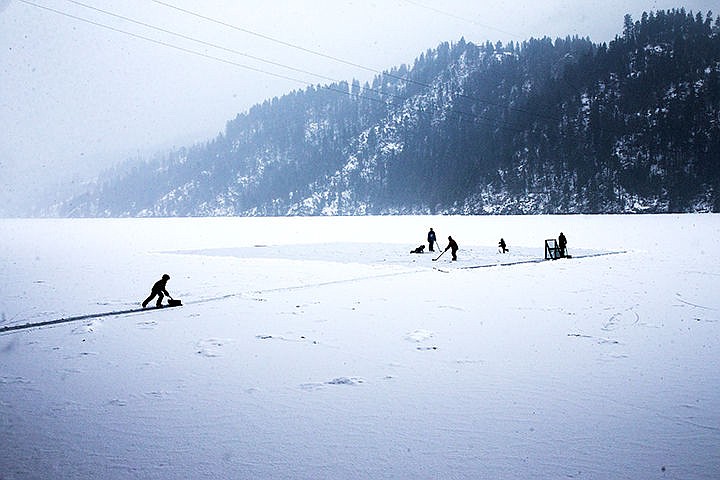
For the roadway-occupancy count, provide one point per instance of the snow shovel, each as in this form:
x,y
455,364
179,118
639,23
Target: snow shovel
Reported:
x,y
436,259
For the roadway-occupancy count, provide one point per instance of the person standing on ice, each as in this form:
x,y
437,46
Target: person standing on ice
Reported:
x,y
159,289
453,246
562,243
432,240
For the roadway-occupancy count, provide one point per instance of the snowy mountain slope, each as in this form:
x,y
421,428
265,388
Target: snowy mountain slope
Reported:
x,y
542,126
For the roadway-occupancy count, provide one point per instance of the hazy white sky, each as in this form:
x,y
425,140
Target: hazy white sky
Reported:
x,y
88,83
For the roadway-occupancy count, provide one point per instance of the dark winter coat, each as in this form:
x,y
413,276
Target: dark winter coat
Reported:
x,y
562,241
452,245
161,286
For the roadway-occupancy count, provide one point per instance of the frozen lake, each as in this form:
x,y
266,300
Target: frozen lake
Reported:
x,y
315,348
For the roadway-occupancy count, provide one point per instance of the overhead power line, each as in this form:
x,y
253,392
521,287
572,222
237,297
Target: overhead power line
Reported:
x,y
267,37
346,62
165,44
459,17
202,42
492,122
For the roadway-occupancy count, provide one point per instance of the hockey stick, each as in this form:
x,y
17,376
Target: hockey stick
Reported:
x,y
435,259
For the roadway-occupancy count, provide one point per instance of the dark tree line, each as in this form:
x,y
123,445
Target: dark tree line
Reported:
x,y
541,126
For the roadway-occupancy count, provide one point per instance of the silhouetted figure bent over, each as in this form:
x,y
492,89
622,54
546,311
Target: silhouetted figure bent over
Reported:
x,y
159,289
502,245
453,246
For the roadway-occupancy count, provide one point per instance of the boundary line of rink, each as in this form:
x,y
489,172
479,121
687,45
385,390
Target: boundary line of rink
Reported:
x,y
542,260
90,316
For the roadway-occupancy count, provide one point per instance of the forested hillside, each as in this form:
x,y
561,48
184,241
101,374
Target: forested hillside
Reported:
x,y
541,126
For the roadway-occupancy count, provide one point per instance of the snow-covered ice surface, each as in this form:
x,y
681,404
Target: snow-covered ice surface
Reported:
x,y
321,348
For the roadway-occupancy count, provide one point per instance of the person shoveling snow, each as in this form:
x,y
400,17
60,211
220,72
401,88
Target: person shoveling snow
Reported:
x,y
160,289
